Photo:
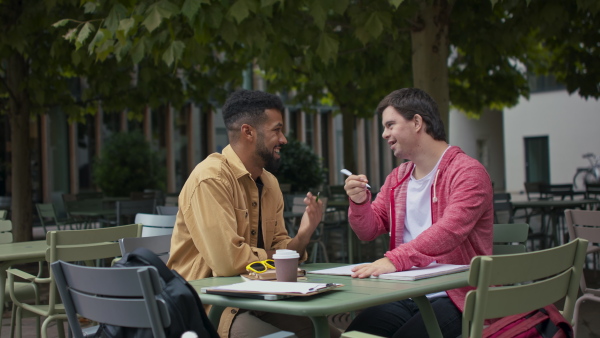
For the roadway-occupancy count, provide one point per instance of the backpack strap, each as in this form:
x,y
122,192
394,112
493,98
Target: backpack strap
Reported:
x,y
150,258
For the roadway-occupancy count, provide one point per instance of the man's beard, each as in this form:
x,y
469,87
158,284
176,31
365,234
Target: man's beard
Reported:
x,y
271,164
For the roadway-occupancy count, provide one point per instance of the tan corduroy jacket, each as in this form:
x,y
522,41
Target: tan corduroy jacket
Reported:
x,y
216,231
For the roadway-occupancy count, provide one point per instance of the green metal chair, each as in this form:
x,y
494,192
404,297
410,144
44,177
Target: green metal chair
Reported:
x,y
71,246
48,217
512,284
510,238
585,224
3,214
22,290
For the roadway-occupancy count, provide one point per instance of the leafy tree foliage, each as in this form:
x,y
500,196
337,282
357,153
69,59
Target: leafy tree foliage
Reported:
x,y
127,164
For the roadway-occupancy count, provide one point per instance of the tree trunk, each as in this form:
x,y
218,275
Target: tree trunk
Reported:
x,y
22,208
430,47
348,127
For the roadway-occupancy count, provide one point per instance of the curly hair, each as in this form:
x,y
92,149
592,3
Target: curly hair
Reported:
x,y
248,106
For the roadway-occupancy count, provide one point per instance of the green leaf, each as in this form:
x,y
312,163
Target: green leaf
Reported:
x,y
318,13
125,25
60,23
328,48
374,25
96,41
396,3
153,19
117,12
84,33
190,9
265,3
340,6
229,32
137,53
239,11
173,53
89,7
168,9
70,35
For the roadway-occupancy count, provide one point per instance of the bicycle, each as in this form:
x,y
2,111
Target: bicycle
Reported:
x,y
586,175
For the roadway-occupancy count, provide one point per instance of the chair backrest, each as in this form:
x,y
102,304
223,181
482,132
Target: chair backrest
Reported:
x,y
143,195
126,210
592,190
584,224
512,284
559,190
89,195
85,245
172,200
3,213
535,191
6,235
167,209
160,245
502,204
83,205
123,297
156,225
510,238
47,215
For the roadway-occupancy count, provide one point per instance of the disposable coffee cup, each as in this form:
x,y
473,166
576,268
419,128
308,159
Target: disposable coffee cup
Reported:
x,y
286,265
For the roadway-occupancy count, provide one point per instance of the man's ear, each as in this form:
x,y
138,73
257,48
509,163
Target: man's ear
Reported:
x,y
418,121
247,132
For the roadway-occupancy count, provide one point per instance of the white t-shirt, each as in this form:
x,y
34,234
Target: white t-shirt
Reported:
x,y
418,209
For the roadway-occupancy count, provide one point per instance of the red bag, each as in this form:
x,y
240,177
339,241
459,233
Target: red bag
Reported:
x,y
546,322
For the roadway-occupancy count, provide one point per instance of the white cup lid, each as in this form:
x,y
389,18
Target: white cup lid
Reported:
x,y
285,254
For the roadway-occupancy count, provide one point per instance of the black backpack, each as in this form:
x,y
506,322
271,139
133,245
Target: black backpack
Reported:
x,y
184,305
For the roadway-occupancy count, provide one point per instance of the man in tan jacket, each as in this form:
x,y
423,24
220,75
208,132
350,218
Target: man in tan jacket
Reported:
x,y
231,211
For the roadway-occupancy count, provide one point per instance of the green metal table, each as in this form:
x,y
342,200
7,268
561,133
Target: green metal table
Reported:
x,y
355,295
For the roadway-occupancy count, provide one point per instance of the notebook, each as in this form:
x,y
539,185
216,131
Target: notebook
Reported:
x,y
414,273
270,290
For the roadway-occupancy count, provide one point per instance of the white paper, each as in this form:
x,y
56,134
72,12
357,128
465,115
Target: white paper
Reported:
x,y
434,269
271,287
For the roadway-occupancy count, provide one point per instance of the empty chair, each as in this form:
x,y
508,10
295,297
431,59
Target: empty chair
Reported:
x,y
167,209
592,190
122,297
22,290
559,190
126,210
156,225
510,238
69,245
585,224
47,216
160,245
518,283
502,205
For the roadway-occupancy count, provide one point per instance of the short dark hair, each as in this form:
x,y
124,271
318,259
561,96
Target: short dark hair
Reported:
x,y
411,101
248,106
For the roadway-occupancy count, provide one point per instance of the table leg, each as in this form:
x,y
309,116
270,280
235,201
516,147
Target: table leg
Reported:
x,y
321,325
431,323
351,235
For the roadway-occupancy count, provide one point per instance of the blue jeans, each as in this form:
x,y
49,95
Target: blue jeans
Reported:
x,y
403,319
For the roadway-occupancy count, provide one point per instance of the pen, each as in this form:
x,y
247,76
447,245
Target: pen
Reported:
x,y
348,173
319,193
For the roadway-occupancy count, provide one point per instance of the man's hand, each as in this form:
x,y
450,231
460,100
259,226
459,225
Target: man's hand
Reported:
x,y
356,188
313,214
380,266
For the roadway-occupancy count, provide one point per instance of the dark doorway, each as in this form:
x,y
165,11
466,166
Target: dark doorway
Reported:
x,y
537,159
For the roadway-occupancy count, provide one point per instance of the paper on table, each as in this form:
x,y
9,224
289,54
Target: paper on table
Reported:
x,y
273,287
432,270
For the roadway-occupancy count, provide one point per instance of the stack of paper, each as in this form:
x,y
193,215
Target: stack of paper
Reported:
x,y
432,270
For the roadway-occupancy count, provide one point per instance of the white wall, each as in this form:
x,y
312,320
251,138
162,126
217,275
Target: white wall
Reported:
x,y
465,133
571,123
